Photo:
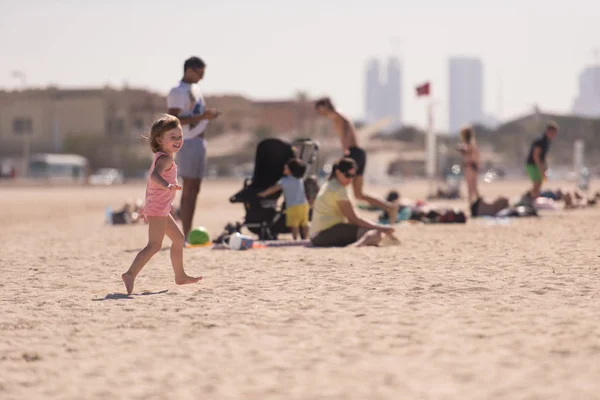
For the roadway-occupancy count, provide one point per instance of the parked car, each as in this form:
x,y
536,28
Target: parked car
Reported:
x,y
58,167
107,176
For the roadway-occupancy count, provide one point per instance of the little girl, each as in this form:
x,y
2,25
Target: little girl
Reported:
x,y
165,139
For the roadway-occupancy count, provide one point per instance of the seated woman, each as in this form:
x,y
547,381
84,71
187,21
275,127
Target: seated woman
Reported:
x,y
334,221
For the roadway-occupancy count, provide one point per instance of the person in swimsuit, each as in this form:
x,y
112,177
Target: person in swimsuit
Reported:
x,y
470,153
345,129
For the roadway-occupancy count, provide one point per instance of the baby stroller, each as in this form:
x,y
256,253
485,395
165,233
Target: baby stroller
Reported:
x,y
263,217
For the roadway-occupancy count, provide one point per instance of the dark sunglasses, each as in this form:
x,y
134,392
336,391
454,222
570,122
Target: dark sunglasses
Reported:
x,y
349,175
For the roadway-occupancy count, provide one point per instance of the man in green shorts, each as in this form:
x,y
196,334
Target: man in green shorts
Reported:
x,y
536,160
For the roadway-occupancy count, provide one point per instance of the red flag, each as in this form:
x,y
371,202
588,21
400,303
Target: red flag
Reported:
x,y
424,89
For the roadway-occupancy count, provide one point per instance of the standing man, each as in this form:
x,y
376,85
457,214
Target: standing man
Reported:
x,y
186,103
536,160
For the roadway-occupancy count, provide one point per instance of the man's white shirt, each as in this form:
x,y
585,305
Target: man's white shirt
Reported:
x,y
190,102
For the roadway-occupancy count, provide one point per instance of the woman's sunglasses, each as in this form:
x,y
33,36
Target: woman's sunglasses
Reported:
x,y
349,175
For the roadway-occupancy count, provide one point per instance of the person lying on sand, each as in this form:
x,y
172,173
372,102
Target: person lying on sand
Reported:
x,y
482,208
572,199
129,214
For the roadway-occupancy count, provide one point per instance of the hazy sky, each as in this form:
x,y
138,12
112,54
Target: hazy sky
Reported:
x,y
273,48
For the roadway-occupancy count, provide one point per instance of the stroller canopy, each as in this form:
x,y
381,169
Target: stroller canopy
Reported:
x,y
271,157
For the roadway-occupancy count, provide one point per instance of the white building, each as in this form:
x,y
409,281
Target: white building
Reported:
x,y
383,97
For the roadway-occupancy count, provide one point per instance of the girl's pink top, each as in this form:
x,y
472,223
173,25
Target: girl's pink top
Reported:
x,y
158,198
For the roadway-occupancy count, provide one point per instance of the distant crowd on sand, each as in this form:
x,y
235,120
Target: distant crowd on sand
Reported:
x,y
324,216
536,167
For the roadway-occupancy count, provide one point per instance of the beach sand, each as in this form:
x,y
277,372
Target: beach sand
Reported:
x,y
470,311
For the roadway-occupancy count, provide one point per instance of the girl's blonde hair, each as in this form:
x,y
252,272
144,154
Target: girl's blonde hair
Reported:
x,y
159,127
468,135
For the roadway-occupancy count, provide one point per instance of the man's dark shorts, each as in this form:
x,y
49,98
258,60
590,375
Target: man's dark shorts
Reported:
x,y
360,157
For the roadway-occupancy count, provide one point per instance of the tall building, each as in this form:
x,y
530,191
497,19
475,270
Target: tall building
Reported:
x,y
383,96
392,105
372,91
587,103
465,92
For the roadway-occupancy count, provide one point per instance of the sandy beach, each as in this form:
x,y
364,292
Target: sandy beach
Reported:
x,y
471,311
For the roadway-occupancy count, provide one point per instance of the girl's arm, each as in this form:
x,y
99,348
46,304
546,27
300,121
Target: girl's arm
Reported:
x,y
270,191
162,163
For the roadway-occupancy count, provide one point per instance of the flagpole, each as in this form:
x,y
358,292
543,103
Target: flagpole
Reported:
x,y
430,146
430,149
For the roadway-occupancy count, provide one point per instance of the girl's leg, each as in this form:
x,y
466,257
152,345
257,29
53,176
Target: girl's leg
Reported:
x,y
177,238
390,208
156,232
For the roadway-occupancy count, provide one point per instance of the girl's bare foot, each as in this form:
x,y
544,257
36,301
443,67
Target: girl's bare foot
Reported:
x,y
186,280
128,280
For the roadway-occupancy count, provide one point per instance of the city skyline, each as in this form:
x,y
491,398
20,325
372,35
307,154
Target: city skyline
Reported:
x,y
316,48
383,94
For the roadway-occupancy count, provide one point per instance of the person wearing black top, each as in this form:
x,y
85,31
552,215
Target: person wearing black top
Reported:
x,y
536,165
349,140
